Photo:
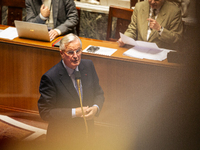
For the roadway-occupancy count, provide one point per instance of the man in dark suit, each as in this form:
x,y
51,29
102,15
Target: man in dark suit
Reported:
x,y
157,21
60,15
59,102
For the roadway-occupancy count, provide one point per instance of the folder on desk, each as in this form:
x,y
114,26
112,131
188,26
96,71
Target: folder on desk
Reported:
x,y
56,43
33,31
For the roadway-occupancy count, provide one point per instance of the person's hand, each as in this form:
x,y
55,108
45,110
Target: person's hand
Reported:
x,y
79,111
91,112
53,34
153,24
44,10
120,43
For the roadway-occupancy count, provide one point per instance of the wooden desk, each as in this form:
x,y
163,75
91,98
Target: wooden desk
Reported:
x,y
130,84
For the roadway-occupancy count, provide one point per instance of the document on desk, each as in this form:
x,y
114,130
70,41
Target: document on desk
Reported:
x,y
144,49
9,33
99,50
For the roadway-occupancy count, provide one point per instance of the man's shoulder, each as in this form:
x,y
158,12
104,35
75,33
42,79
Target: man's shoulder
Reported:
x,y
55,69
86,61
142,4
171,6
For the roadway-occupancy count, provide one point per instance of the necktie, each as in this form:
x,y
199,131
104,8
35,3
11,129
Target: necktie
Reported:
x,y
154,14
76,86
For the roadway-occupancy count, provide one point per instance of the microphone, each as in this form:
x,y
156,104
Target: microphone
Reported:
x,y
78,80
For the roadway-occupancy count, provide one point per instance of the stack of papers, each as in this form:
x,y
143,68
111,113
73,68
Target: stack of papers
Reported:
x,y
144,49
9,33
147,54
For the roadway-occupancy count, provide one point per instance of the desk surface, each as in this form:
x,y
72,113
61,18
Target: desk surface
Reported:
x,y
118,55
130,85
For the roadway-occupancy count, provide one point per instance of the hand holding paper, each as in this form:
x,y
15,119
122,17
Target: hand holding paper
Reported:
x,y
143,49
138,44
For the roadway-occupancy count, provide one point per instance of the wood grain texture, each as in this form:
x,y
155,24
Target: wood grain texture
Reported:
x,y
130,84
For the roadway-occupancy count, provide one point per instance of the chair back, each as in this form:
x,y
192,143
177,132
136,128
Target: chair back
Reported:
x,y
15,8
123,16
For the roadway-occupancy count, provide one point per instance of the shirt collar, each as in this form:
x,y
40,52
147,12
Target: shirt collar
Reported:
x,y
157,11
69,70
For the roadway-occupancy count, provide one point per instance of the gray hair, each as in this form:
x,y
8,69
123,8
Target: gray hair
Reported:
x,y
67,39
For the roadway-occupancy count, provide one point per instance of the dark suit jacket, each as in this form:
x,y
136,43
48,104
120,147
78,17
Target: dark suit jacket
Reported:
x,y
58,97
169,17
65,15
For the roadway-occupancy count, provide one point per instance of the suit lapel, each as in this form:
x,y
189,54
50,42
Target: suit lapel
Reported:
x,y
145,15
161,16
55,11
67,82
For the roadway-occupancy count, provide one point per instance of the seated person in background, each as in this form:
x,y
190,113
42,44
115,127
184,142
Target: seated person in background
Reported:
x,y
60,15
59,102
157,21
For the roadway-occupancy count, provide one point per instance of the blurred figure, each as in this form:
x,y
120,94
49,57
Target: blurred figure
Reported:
x,y
173,123
60,15
157,21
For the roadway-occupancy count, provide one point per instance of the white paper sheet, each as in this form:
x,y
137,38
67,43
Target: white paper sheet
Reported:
x,y
144,49
159,55
9,33
101,50
127,40
142,44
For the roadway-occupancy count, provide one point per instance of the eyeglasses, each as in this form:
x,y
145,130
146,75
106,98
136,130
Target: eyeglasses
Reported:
x,y
71,53
155,0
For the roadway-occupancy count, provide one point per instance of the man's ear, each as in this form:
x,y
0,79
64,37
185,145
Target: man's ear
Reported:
x,y
61,53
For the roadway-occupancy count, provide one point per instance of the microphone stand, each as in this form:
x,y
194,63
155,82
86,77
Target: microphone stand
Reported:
x,y
78,77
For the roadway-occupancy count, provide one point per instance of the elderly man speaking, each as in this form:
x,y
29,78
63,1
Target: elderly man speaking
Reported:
x,y
59,103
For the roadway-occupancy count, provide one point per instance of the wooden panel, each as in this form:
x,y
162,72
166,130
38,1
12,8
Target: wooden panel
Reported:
x,y
22,69
130,84
13,3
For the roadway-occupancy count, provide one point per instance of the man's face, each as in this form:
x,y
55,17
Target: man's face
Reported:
x,y
156,4
72,54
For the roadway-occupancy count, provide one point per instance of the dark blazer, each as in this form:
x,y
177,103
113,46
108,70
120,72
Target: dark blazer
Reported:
x,y
65,15
58,97
169,17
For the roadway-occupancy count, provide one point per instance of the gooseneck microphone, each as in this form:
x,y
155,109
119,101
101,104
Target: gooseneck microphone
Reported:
x,y
78,81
